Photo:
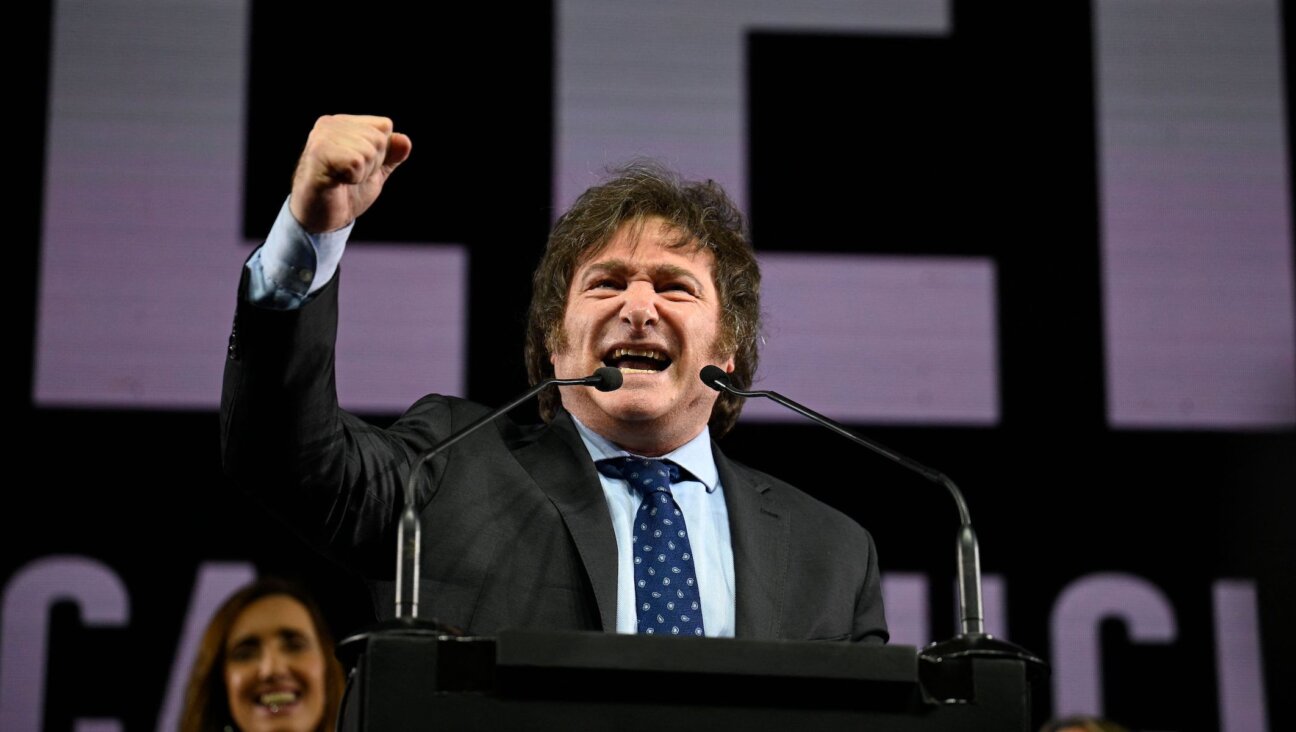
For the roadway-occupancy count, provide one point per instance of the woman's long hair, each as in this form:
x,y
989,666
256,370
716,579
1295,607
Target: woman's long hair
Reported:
x,y
206,706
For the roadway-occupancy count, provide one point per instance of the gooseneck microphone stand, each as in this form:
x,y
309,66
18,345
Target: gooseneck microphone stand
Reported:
x,y
972,640
409,537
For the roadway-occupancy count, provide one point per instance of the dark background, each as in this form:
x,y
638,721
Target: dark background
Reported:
x,y
1055,492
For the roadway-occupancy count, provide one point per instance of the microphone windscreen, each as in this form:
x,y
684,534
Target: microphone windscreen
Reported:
x,y
610,378
713,376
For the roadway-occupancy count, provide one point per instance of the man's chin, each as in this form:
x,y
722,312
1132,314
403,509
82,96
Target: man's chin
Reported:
x,y
628,407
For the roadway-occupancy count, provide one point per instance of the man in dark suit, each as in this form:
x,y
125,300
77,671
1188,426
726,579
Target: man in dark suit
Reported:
x,y
618,514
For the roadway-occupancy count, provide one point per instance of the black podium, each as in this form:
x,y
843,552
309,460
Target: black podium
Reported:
x,y
415,680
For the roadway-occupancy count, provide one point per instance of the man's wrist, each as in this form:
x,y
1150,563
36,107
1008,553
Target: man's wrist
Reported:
x,y
293,264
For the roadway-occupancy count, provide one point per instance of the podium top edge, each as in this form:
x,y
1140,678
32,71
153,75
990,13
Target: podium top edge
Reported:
x,y
728,656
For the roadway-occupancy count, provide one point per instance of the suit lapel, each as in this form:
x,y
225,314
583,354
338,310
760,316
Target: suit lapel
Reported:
x,y
561,466
759,529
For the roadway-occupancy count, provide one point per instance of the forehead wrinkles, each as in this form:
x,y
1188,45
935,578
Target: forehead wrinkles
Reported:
x,y
623,268
632,232
632,229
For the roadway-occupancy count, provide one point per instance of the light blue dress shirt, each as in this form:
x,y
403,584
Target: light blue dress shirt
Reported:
x,y
705,514
292,265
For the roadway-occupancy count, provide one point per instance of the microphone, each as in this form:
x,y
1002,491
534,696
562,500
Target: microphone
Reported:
x,y
409,532
972,641
605,378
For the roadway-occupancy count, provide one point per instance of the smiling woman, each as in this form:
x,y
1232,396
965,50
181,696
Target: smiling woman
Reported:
x,y
265,663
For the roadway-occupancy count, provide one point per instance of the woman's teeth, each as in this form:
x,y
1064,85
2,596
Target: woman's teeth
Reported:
x,y
276,699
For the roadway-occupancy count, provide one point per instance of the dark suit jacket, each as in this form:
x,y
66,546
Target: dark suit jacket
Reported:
x,y
516,529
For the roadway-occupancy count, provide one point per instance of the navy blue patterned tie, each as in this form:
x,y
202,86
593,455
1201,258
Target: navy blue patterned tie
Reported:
x,y
667,601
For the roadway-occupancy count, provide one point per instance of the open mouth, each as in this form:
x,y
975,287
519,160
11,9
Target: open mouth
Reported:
x,y
274,701
637,360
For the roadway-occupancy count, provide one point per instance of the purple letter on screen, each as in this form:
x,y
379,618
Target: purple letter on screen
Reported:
x,y
141,243
880,339
1197,255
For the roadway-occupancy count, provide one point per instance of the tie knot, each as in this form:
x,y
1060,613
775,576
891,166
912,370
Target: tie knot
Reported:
x,y
643,474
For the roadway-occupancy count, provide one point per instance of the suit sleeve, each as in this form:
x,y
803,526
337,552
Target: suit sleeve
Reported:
x,y
337,480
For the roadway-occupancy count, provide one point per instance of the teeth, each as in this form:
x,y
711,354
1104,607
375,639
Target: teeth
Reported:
x,y
277,698
655,355
625,370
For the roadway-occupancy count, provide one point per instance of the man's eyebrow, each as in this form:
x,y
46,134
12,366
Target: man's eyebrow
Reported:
x,y
660,272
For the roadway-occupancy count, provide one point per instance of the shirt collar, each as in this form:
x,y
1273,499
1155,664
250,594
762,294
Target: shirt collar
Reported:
x,y
695,456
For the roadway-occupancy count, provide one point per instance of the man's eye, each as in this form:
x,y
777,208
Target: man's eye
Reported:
x,y
677,287
610,283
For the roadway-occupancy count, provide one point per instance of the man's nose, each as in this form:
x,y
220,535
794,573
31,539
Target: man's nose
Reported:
x,y
640,306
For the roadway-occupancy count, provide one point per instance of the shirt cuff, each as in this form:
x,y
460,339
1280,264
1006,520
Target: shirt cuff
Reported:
x,y
293,264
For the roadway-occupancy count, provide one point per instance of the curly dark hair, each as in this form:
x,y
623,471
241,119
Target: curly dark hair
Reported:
x,y
707,220
206,707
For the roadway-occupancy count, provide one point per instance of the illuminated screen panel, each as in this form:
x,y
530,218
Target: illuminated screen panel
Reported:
x,y
141,247
667,79
1197,260
879,339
